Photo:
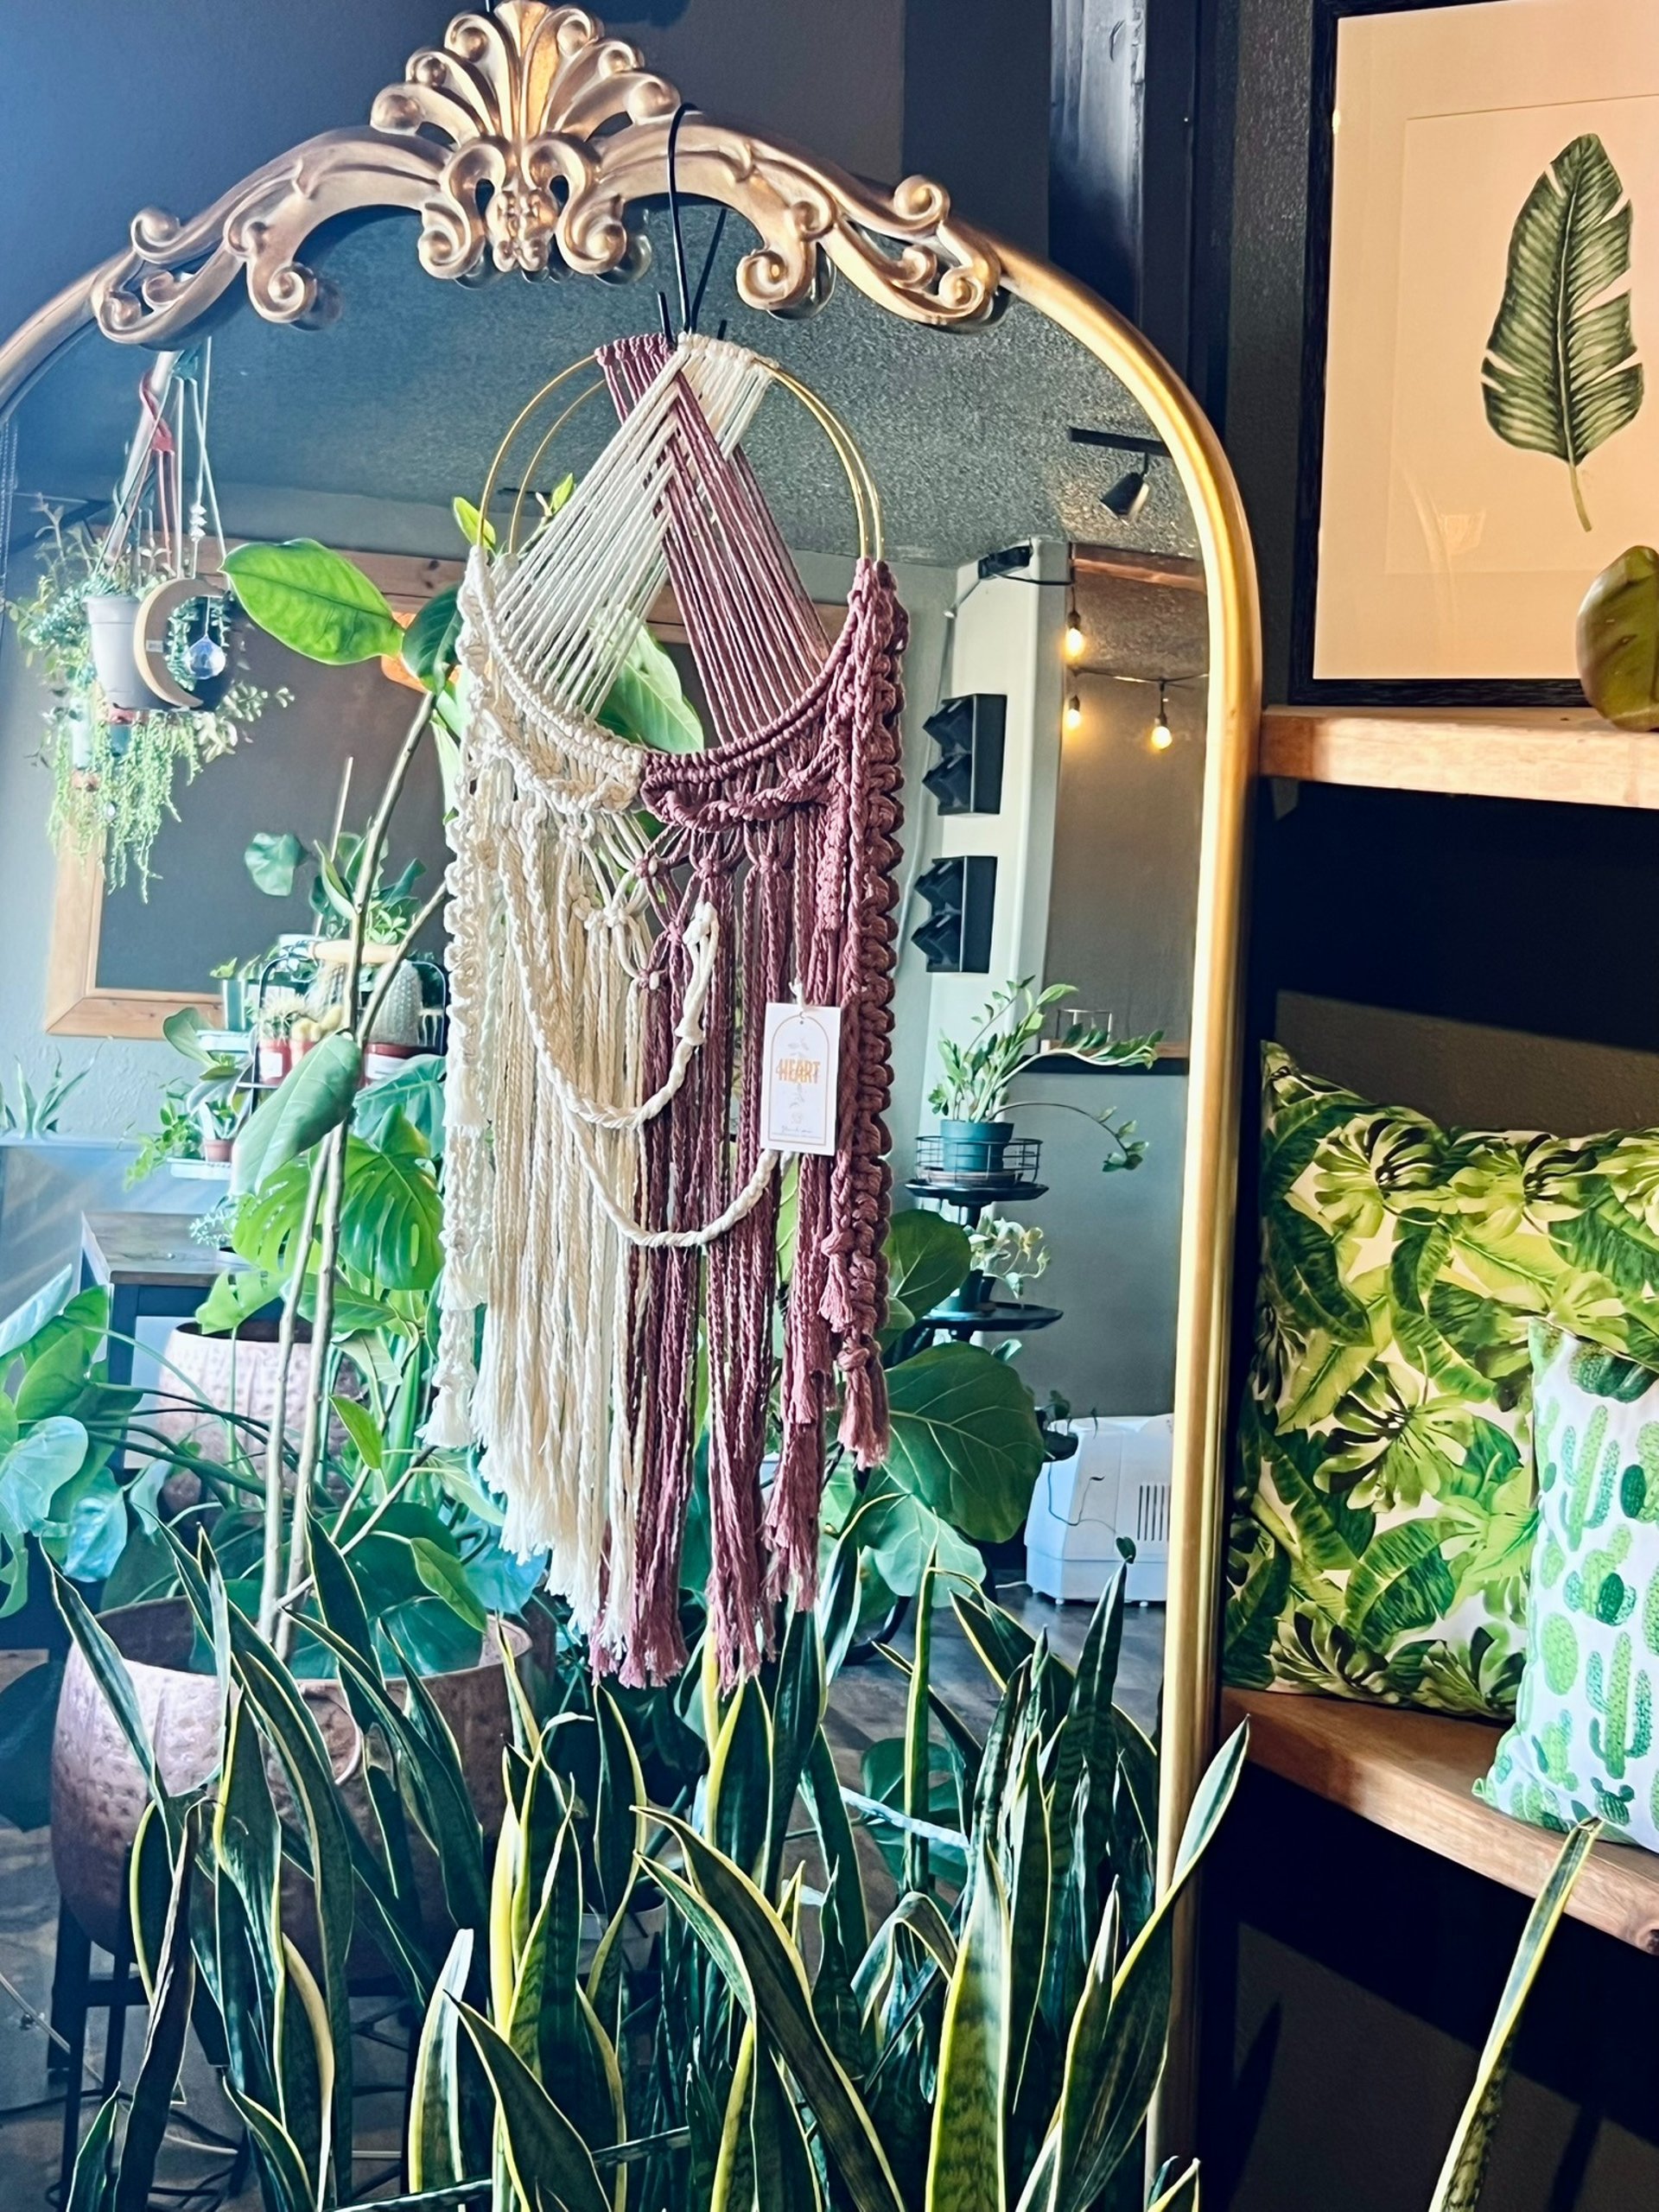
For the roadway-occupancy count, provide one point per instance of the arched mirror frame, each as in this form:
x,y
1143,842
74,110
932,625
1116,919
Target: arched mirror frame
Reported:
x,y
526,138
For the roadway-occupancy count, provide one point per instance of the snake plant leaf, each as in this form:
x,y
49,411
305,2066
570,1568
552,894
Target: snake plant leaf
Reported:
x,y
547,2157
89,2188
1176,2192
647,701
1114,2052
1560,375
285,1721
1458,2187
315,602
282,2168
1618,641
919,1752
751,1948
965,1438
738,1787
821,1787
169,2019
437,2154
965,2165
312,1099
733,2189
798,1702
1029,1909
786,2179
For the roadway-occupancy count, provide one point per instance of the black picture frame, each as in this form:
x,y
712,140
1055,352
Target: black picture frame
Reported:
x,y
1304,687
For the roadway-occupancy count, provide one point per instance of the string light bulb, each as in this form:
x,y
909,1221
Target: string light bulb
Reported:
x,y
1075,638
1073,716
1162,736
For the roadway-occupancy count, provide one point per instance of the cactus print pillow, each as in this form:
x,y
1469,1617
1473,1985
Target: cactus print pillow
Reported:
x,y
1383,1523
1582,1743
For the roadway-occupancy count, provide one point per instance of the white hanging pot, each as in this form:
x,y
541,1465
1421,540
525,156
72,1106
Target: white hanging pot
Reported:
x,y
112,619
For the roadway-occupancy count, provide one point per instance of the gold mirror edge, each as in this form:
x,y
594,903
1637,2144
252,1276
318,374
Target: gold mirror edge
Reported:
x,y
1190,1687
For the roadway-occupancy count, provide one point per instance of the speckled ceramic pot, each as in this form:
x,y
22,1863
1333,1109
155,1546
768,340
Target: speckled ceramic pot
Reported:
x,y
239,1374
98,1794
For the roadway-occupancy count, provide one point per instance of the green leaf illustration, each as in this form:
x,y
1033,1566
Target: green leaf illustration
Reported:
x,y
1559,375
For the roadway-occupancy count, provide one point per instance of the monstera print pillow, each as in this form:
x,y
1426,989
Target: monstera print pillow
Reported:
x,y
1383,1518
1582,1746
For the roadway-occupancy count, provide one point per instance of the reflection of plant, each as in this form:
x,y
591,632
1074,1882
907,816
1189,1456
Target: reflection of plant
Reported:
x,y
980,1074
36,1115
275,858
1560,375
1008,1251
177,1136
114,778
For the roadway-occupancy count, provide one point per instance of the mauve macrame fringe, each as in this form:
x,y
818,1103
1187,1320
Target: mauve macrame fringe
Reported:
x,y
788,827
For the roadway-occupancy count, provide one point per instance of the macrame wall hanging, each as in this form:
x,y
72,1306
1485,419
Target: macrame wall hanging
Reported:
x,y
620,920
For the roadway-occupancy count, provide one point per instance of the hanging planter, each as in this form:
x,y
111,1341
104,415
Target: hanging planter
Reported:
x,y
112,621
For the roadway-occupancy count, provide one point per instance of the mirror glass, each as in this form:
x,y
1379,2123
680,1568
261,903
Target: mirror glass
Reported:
x,y
1046,555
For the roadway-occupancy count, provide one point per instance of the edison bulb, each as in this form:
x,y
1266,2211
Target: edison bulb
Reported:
x,y
1073,718
1075,641
1162,736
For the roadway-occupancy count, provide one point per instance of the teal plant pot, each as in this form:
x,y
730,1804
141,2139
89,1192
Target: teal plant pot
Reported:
x,y
974,1297
973,1148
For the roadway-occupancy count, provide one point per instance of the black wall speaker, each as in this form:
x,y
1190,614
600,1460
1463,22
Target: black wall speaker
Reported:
x,y
969,731
957,936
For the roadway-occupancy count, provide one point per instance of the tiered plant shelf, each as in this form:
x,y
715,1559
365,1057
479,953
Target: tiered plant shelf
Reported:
x,y
1413,1774
1563,754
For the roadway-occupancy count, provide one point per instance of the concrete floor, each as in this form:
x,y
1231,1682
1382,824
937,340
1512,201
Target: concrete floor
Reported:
x,y
869,1703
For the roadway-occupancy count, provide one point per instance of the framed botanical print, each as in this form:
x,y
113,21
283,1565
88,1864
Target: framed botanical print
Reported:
x,y
1480,429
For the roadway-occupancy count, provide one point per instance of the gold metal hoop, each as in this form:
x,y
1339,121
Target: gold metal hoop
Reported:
x,y
866,499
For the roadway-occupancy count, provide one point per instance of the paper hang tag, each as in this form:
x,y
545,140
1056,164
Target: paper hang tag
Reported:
x,y
798,1094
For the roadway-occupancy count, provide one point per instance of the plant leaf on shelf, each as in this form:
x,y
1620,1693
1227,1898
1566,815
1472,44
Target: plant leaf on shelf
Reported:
x,y
1560,375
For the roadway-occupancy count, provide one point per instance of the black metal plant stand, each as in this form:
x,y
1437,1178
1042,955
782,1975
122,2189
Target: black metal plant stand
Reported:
x,y
969,1198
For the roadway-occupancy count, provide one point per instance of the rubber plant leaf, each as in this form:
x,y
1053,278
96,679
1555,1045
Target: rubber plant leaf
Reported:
x,y
429,647
1560,375
1458,2187
315,601
312,1099
646,702
1618,641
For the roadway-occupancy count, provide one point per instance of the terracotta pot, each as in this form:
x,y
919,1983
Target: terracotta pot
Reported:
x,y
275,1058
98,1794
380,1061
216,1148
237,1376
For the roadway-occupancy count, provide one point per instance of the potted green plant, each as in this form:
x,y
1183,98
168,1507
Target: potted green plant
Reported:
x,y
116,751
1003,1251
973,1096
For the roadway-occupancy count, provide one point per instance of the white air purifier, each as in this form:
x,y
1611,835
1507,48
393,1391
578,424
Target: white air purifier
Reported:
x,y
1115,1483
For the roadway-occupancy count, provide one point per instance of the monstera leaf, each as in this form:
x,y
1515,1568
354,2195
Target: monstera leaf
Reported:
x,y
1618,641
1560,375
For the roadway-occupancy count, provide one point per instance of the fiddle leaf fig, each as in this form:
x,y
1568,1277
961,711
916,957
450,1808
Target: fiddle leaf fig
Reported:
x,y
965,1438
1618,641
273,858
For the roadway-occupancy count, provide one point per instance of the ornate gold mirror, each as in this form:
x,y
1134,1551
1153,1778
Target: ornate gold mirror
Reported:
x,y
1064,532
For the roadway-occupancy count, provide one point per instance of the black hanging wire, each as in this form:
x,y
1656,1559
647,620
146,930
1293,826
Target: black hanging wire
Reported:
x,y
690,299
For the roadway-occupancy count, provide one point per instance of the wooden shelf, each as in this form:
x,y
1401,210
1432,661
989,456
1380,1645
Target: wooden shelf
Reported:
x,y
1548,753
1412,1773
